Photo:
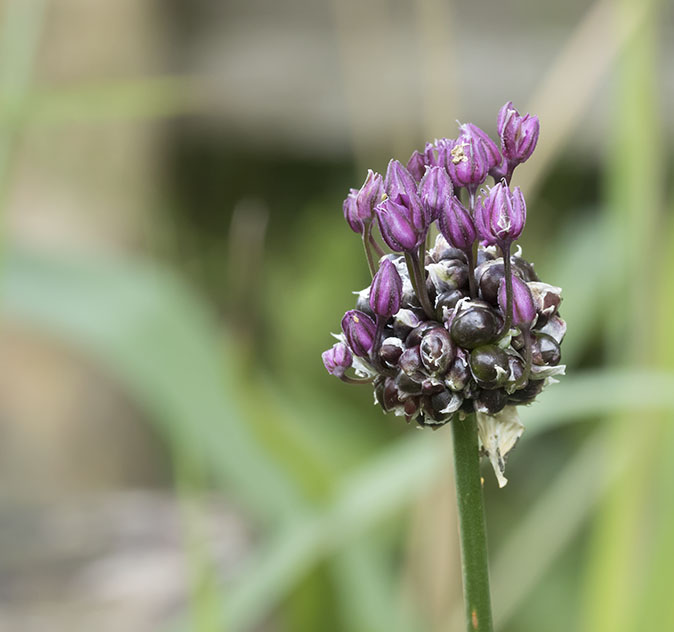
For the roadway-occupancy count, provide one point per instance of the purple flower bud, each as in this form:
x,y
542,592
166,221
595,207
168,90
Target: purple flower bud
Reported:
x,y
402,189
350,207
399,181
524,310
431,155
456,225
480,136
359,205
466,160
337,359
386,290
519,134
435,190
370,195
396,227
416,165
359,331
500,214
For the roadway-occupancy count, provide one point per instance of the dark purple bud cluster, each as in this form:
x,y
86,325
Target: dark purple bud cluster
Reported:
x,y
464,325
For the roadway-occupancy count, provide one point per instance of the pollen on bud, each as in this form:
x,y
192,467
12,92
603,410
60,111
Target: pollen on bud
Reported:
x,y
337,359
456,225
480,136
500,214
519,134
524,310
435,190
396,227
386,290
359,330
466,161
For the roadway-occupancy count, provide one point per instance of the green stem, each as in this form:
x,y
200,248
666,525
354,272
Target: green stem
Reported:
x,y
367,233
377,248
526,335
418,279
472,529
472,288
505,249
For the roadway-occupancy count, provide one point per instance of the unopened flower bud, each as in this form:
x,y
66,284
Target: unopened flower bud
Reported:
x,y
417,165
444,404
528,393
370,195
386,290
459,374
456,225
519,134
436,350
545,350
447,275
500,214
350,207
547,298
396,227
435,190
475,326
359,331
337,359
489,275
405,321
415,336
489,366
391,350
554,327
387,393
491,401
524,310
410,364
399,181
480,136
448,300
466,161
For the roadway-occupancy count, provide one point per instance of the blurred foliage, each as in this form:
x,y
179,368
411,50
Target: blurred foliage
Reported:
x,y
581,538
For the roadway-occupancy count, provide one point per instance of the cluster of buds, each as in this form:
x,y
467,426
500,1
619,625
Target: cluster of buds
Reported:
x,y
458,323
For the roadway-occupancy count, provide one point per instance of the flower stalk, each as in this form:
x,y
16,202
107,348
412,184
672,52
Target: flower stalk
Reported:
x,y
419,283
472,529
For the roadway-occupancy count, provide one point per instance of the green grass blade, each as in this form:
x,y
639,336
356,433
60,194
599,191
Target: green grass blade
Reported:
x,y
162,344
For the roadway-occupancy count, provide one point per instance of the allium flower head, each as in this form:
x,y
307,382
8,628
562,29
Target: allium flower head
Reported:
x,y
436,332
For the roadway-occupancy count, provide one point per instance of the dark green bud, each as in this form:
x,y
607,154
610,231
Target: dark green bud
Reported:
x,y
489,366
491,401
475,326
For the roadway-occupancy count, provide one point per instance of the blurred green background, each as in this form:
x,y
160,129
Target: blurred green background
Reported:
x,y
173,456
